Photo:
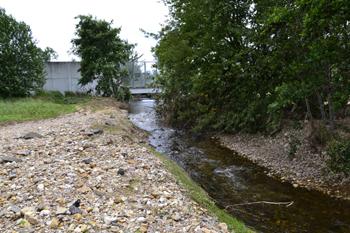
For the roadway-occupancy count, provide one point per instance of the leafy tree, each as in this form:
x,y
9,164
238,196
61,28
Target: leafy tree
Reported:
x,y
22,67
103,55
245,65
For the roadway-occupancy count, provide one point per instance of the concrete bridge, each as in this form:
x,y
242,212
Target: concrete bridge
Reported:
x,y
142,91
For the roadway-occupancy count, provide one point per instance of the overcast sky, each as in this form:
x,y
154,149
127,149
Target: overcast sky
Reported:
x,y
53,23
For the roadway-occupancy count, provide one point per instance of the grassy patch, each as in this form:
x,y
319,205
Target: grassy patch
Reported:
x,y
125,122
200,196
31,109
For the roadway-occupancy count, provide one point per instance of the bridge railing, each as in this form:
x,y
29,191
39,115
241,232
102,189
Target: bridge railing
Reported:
x,y
140,73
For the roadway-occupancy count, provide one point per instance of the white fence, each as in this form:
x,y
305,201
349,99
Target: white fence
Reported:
x,y
64,76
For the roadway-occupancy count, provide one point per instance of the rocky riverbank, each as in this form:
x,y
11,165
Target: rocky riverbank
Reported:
x,y
96,158
307,169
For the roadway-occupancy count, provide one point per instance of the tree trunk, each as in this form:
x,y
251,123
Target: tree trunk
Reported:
x,y
346,81
331,113
323,114
330,102
309,114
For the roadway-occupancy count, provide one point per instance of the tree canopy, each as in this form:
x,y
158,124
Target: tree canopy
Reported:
x,y
22,63
103,55
246,64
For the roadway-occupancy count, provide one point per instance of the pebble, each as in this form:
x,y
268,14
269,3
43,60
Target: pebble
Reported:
x,y
33,220
87,161
109,123
61,210
121,171
123,187
54,224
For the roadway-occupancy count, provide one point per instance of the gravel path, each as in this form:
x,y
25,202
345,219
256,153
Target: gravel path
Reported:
x,y
122,187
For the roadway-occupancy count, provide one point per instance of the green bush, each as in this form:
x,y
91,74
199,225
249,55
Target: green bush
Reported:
x,y
339,156
81,94
70,94
123,94
294,144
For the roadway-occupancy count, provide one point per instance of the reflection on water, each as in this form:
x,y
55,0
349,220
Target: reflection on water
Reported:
x,y
231,179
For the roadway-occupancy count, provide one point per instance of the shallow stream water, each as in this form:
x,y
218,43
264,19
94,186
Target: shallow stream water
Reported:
x,y
231,179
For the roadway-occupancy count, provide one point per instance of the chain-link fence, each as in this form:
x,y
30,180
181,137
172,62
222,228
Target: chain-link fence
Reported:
x,y
141,73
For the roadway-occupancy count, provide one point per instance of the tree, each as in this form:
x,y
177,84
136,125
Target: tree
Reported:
x,y
103,55
22,63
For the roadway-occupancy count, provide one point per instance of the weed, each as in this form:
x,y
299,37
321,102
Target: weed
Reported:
x,y
339,156
297,125
294,144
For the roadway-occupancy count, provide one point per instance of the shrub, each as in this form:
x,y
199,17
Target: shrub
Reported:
x,y
339,156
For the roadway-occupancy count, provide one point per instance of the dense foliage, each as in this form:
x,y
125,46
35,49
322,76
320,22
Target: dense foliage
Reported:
x,y
21,61
245,64
103,54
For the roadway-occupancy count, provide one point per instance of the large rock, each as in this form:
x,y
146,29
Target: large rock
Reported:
x,y
10,159
32,135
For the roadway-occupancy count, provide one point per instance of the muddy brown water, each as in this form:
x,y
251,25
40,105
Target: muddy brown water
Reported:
x,y
231,179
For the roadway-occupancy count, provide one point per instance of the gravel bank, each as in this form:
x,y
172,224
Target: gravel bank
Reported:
x,y
308,169
122,186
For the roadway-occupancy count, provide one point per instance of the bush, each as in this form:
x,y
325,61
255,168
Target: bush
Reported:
x,y
339,156
294,144
123,94
70,94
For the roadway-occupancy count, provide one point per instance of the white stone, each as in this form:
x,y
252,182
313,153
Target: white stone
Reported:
x,y
223,226
109,220
45,212
141,219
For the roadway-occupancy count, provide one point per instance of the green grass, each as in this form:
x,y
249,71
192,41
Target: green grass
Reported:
x,y
197,194
31,109
43,104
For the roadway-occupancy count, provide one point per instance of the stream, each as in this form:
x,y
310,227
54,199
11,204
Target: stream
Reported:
x,y
231,179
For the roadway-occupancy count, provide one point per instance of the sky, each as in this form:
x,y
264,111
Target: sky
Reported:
x,y
53,24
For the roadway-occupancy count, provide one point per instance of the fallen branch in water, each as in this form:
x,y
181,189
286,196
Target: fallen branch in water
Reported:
x,y
263,202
